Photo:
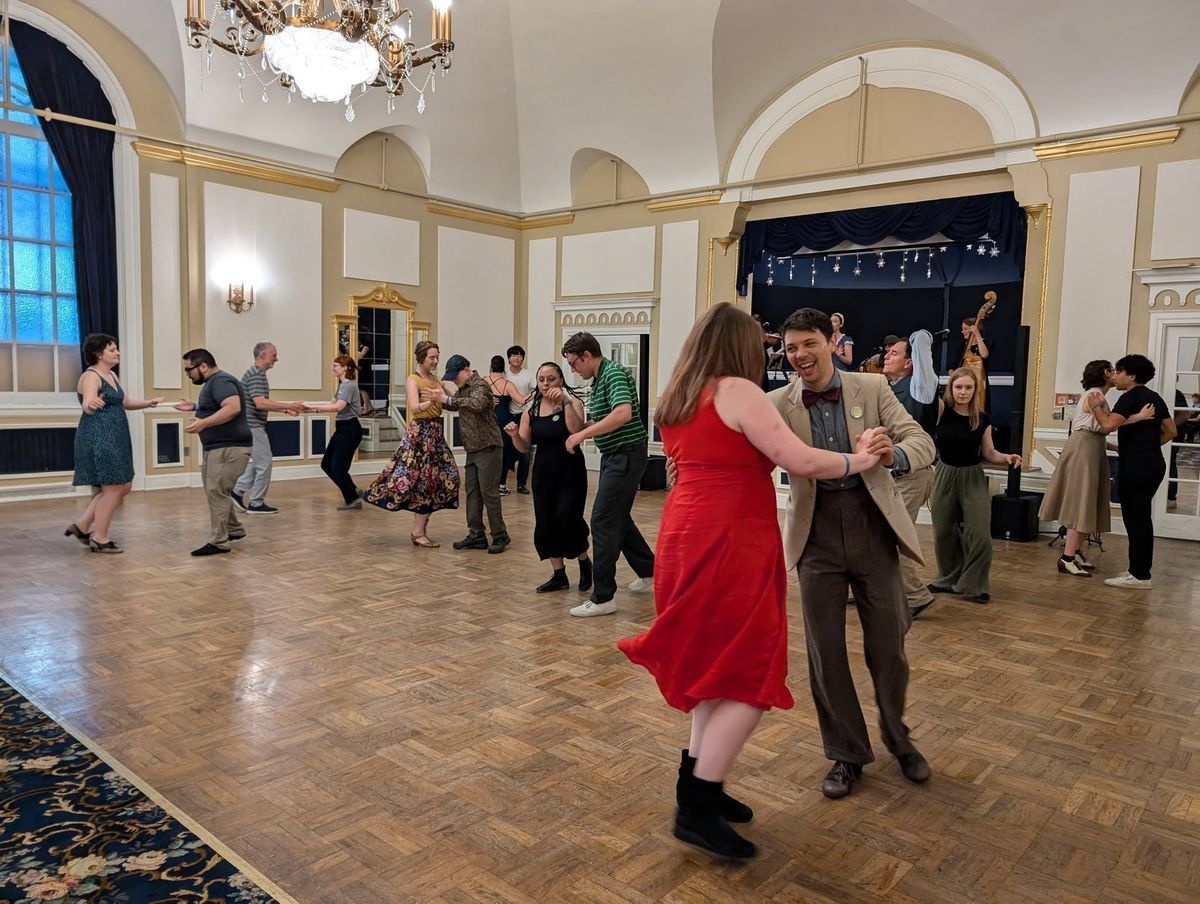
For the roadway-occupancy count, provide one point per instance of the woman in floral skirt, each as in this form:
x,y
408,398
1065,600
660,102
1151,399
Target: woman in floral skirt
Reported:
x,y
422,476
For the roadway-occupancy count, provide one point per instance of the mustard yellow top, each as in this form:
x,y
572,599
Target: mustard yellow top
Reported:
x,y
434,410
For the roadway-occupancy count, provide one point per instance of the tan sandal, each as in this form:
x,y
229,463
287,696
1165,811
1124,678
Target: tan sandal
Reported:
x,y
423,541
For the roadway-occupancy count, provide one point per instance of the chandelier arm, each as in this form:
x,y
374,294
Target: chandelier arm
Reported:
x,y
263,16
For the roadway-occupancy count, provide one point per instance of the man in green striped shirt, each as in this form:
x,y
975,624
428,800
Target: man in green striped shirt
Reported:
x,y
614,422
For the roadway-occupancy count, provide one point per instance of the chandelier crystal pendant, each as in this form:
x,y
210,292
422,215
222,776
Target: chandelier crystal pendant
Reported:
x,y
325,49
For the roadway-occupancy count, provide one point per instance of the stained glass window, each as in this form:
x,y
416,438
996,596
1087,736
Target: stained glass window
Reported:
x,y
38,306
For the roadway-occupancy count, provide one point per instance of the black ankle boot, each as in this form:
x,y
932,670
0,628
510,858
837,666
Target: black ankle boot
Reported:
x,y
558,581
731,808
699,822
585,575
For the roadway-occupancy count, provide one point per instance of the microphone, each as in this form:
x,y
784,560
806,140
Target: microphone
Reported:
x,y
941,334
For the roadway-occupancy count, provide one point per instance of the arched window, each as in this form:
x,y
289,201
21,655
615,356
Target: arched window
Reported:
x,y
39,314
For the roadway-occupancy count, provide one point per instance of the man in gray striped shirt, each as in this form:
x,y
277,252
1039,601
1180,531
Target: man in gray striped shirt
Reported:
x,y
615,423
250,492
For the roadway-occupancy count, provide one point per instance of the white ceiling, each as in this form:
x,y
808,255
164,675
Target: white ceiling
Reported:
x,y
669,85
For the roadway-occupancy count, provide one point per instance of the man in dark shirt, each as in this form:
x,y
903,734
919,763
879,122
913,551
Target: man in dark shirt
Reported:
x,y
481,438
220,419
1141,463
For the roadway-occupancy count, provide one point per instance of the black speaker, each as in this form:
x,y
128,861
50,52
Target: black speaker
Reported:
x,y
655,475
1016,517
1014,512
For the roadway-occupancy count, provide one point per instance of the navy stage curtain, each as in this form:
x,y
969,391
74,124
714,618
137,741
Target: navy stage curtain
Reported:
x,y
57,79
958,219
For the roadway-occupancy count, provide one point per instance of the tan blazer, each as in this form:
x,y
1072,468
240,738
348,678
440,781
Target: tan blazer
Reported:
x,y
869,402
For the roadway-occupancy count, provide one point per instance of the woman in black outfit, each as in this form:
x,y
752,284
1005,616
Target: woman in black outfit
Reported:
x,y
1141,465
504,391
559,477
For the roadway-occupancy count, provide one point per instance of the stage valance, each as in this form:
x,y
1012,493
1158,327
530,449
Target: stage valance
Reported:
x,y
958,219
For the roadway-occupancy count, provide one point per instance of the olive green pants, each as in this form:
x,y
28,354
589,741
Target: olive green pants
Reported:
x,y
962,516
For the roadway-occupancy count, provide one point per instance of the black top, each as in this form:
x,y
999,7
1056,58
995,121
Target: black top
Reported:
x,y
956,442
217,388
1140,441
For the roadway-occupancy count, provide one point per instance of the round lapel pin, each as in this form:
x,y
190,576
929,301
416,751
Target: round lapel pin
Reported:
x,y
856,412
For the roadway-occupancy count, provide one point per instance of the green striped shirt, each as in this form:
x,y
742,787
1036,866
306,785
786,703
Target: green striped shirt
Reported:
x,y
614,386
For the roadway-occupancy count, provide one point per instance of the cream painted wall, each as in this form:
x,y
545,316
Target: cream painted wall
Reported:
x,y
274,243
677,303
1177,211
1097,265
543,280
381,248
166,282
476,295
619,262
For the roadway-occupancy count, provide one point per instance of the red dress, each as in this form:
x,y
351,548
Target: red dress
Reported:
x,y
720,585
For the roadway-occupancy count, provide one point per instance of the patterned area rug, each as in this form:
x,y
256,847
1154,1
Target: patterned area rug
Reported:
x,y
72,829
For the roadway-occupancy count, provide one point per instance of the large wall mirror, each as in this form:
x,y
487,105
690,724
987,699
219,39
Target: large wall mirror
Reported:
x,y
379,331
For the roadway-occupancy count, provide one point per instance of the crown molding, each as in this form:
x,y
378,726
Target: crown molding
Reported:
x,y
704,200
1127,142
496,219
204,160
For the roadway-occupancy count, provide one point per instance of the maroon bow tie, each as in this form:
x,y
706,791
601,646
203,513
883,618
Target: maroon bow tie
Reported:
x,y
810,397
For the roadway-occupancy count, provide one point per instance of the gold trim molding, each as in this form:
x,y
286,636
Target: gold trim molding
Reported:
x,y
704,200
204,160
1128,142
496,219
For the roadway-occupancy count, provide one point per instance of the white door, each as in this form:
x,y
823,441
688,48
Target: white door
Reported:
x,y
1177,505
621,348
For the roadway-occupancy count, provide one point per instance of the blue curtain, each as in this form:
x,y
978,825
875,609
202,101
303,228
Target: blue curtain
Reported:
x,y
958,219
57,79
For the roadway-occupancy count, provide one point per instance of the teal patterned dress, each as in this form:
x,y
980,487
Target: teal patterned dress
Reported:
x,y
103,449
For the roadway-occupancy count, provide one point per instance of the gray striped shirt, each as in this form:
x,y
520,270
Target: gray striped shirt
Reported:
x,y
255,381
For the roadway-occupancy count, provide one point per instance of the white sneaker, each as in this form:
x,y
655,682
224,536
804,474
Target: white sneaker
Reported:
x,y
589,609
641,585
1125,579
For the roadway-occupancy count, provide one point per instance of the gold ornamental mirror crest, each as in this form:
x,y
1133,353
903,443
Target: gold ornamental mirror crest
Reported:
x,y
382,297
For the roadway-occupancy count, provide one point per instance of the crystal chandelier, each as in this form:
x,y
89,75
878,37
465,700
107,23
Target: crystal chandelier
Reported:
x,y
324,49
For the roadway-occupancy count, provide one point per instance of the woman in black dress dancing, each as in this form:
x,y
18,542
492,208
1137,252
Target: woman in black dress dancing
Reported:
x,y
559,477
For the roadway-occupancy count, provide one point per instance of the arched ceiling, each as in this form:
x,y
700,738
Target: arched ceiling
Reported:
x,y
670,85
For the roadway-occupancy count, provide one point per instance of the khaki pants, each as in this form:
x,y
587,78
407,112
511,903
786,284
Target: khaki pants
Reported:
x,y
914,489
220,470
481,474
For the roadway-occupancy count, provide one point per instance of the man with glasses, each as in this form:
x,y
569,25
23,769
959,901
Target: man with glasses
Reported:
x,y
614,422
220,419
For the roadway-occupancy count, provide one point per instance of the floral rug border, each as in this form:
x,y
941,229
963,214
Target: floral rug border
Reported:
x,y
76,885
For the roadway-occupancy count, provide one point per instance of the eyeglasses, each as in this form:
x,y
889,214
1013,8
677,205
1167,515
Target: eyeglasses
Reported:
x,y
188,368
572,361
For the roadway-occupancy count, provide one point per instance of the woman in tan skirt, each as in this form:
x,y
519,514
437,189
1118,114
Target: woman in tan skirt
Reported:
x,y
1078,496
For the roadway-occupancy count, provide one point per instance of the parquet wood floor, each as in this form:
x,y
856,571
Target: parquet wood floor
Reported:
x,y
364,721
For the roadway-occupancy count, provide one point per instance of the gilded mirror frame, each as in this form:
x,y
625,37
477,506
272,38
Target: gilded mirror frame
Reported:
x,y
382,296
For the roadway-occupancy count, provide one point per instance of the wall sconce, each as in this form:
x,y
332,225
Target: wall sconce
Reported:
x,y
239,302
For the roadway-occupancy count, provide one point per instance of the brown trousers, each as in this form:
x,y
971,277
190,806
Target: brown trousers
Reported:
x,y
850,545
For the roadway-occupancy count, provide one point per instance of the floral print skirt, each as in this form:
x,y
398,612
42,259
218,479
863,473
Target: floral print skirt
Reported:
x,y
422,476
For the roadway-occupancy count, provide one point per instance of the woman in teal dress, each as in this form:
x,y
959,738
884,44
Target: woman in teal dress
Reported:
x,y
103,449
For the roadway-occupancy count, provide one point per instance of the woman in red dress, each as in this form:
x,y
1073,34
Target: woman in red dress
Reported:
x,y
718,645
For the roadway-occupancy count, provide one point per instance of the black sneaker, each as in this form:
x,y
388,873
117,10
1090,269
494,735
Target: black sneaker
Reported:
x,y
237,535
524,491
208,549
470,542
503,490
498,546
239,500
260,508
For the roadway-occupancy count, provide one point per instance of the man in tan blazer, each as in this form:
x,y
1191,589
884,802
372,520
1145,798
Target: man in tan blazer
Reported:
x,y
848,534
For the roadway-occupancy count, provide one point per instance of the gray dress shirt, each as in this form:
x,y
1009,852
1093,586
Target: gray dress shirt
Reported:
x,y
829,431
